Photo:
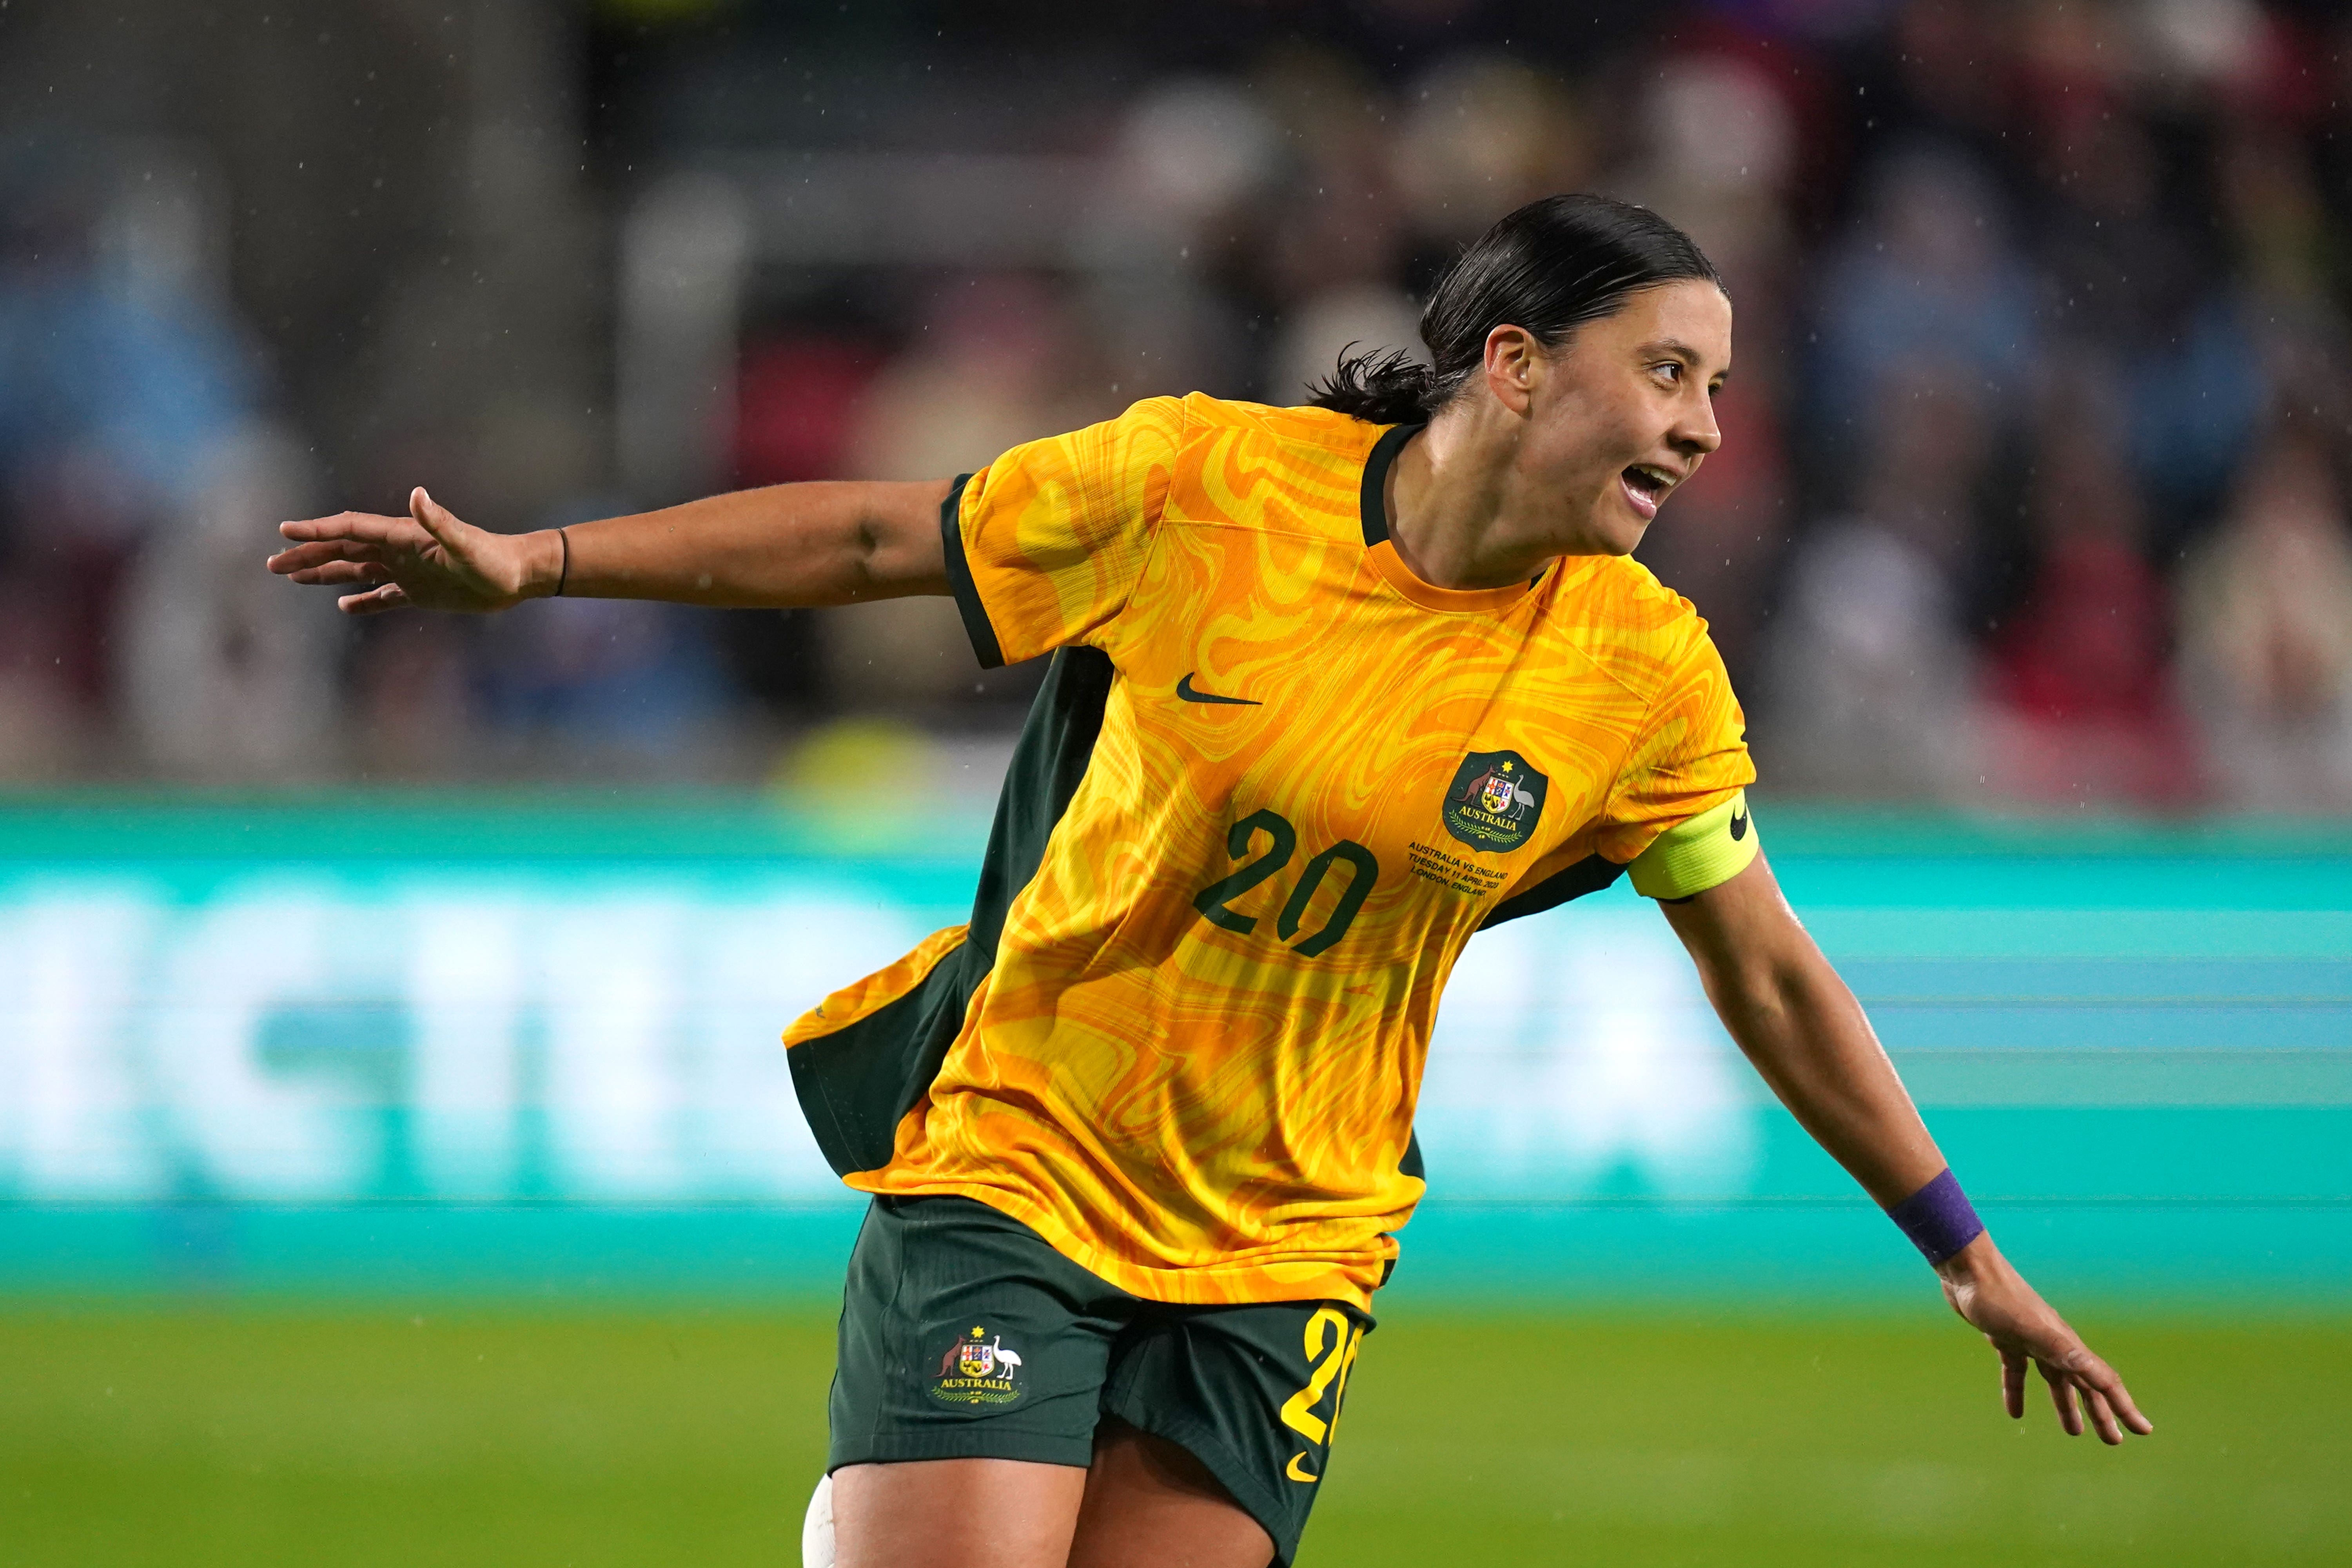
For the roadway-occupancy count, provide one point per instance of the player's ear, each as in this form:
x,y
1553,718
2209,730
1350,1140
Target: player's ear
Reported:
x,y
1514,365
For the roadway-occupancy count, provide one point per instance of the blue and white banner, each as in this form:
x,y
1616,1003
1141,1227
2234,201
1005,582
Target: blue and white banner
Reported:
x,y
294,1036
176,1024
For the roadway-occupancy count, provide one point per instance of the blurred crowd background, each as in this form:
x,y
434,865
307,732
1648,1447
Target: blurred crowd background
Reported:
x,y
2034,486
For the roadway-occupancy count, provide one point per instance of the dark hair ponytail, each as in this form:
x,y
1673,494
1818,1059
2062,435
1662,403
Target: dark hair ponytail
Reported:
x,y
1550,266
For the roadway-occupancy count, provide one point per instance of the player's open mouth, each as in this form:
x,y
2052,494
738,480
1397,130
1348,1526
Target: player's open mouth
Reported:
x,y
1645,488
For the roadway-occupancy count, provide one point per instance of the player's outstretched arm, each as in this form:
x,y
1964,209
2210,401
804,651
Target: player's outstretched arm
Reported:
x,y
783,547
1809,1038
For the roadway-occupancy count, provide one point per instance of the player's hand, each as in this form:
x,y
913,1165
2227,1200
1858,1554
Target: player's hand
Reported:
x,y
1996,1301
428,559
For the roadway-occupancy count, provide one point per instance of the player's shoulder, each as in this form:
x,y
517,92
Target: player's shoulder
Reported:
x,y
1615,612
1316,429
1259,430
1253,465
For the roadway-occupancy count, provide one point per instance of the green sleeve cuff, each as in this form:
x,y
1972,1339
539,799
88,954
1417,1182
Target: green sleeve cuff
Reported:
x,y
1704,852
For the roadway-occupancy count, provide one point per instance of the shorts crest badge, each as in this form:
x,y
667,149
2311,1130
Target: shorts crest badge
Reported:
x,y
978,1369
1495,801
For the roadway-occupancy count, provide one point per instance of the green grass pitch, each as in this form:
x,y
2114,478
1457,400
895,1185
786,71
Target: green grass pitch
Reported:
x,y
190,1436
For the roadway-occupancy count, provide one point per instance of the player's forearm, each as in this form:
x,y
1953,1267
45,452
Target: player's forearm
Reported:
x,y
1811,1041
782,547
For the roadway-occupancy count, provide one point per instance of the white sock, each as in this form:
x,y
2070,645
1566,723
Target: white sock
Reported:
x,y
816,1529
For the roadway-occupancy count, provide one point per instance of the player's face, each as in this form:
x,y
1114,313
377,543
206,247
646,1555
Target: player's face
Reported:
x,y
1624,412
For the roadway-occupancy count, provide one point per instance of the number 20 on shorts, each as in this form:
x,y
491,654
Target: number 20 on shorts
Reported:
x,y
1283,843
1331,1347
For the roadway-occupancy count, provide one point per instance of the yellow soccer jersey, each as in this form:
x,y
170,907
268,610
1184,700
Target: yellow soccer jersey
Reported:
x,y
1272,786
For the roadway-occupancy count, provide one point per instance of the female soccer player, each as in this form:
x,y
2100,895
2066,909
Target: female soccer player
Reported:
x,y
1332,688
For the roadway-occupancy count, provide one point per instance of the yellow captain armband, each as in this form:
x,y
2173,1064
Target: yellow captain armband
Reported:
x,y
1705,852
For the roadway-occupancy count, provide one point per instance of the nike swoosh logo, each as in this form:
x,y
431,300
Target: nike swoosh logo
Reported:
x,y
1184,689
1738,826
1295,1473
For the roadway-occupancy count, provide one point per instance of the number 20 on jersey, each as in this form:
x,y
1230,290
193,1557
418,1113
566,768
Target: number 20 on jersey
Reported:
x,y
1214,901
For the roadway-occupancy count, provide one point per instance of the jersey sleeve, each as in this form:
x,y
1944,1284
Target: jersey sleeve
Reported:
x,y
1678,815
1044,544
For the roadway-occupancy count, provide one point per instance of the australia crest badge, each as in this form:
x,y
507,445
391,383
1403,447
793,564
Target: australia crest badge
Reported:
x,y
1495,801
978,1369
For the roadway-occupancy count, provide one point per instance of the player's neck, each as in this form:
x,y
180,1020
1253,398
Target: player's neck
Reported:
x,y
1455,512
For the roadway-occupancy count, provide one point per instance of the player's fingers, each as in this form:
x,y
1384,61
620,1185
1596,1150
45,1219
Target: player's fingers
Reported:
x,y
304,529
2102,1377
436,519
299,557
2062,1395
2103,1418
336,574
391,596
2012,1383
360,525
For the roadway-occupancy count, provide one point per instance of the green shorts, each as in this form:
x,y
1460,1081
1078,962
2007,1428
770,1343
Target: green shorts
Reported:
x,y
965,1335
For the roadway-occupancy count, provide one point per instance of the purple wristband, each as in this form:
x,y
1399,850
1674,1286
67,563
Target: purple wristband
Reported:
x,y
1938,1218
